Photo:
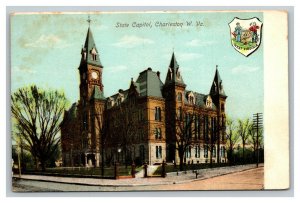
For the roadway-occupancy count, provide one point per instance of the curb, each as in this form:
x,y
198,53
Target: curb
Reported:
x,y
133,185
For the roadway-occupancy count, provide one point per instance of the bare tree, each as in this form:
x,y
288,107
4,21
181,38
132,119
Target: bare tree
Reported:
x,y
37,115
255,140
183,131
243,126
123,129
232,138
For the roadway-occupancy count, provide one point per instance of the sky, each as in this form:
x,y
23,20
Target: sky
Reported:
x,y
46,51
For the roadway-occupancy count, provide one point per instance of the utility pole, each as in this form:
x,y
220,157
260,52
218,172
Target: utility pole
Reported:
x,y
257,125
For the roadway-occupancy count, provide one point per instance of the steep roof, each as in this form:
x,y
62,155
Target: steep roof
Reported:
x,y
174,75
90,49
217,85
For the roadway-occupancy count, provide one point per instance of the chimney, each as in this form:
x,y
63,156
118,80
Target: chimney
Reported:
x,y
158,74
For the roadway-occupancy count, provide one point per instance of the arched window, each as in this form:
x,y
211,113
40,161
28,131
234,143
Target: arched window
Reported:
x,y
179,96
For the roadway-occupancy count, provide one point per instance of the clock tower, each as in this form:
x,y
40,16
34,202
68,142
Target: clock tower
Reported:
x,y
91,105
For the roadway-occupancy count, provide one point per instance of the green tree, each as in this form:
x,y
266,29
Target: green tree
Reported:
x,y
37,115
232,138
243,126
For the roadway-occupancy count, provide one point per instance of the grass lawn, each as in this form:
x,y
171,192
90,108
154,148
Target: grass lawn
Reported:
x,y
69,171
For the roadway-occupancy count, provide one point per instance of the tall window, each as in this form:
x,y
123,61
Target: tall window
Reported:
x,y
214,151
222,151
197,151
179,96
205,151
157,133
158,152
188,152
157,114
206,128
179,113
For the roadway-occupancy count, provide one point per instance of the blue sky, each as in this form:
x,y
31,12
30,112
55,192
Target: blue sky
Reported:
x,y
45,50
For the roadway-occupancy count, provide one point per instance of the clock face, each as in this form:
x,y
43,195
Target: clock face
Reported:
x,y
94,75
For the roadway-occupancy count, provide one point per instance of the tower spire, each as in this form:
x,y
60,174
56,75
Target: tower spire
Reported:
x,y
89,20
217,86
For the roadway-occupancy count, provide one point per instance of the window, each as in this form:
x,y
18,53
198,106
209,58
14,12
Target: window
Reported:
x,y
191,99
157,133
158,152
197,127
209,102
205,128
214,151
157,114
188,125
205,151
222,151
197,151
179,113
179,96
188,152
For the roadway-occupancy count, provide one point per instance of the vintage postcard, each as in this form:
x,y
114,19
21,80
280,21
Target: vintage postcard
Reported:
x,y
143,101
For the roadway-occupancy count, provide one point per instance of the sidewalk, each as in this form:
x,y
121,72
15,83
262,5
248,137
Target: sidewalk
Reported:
x,y
172,178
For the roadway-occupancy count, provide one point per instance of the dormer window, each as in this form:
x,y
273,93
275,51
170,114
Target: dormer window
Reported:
x,y
209,102
178,75
120,99
94,54
191,98
110,102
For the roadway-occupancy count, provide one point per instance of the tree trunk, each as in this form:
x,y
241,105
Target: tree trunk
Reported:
x,y
243,153
43,165
230,156
181,161
211,155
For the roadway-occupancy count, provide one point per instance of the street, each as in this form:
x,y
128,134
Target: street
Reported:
x,y
251,179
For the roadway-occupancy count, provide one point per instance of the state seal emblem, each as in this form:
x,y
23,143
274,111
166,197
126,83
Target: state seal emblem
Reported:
x,y
245,34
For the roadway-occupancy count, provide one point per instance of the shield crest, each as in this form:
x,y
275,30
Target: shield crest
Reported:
x,y
245,35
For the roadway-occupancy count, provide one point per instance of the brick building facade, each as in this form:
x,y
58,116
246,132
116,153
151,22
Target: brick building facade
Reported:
x,y
151,121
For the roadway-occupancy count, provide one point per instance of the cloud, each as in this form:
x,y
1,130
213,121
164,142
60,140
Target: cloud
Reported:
x,y
116,69
48,41
240,69
199,43
188,56
132,41
23,69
